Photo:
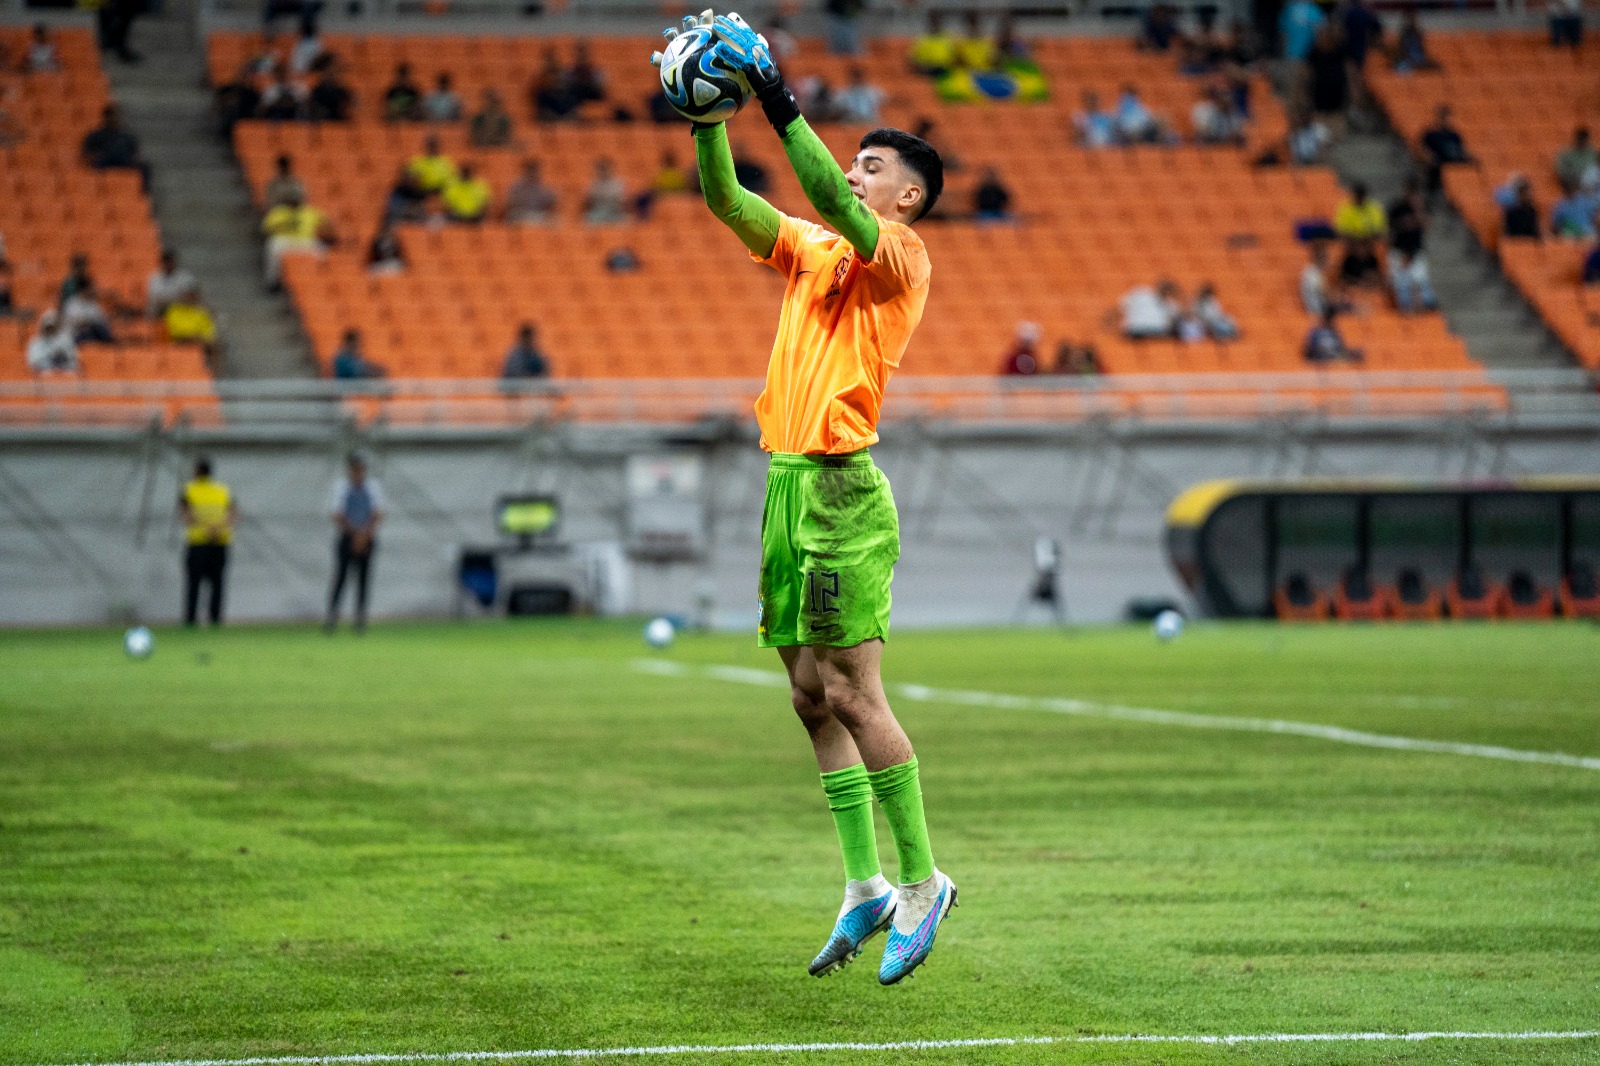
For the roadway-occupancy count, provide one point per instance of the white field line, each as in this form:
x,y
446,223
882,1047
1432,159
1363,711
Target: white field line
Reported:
x,y
1147,715
890,1045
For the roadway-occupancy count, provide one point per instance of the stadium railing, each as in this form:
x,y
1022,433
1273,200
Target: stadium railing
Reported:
x,y
477,403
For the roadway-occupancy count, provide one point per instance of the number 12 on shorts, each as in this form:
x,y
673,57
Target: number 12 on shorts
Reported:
x,y
822,590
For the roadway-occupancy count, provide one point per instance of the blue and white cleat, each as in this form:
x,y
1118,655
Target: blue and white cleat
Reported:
x,y
916,921
869,907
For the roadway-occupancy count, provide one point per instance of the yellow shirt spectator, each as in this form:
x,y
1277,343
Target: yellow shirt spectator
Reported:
x,y
209,505
433,171
1360,217
298,222
466,199
189,322
933,52
977,53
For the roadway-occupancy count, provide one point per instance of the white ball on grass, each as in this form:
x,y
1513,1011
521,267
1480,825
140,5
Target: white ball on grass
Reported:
x,y
1168,625
139,642
659,633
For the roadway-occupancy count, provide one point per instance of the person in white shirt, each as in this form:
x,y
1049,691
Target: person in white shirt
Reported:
x,y
1207,312
1316,293
860,101
356,506
305,53
443,104
1151,312
166,284
84,318
41,57
51,350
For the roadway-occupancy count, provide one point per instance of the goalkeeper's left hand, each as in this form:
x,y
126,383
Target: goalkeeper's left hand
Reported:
x,y
747,51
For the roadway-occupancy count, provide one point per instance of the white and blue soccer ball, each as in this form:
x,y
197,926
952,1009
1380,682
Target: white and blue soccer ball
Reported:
x,y
659,633
696,81
1168,625
139,642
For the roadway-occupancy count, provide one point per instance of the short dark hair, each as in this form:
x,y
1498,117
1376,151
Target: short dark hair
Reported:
x,y
202,467
920,157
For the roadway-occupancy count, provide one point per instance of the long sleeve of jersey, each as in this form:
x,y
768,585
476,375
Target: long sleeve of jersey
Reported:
x,y
751,218
825,186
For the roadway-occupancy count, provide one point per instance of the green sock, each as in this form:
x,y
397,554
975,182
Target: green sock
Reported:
x,y
850,800
900,792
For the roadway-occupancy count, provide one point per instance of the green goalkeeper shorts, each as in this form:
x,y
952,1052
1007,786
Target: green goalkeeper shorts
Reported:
x,y
829,540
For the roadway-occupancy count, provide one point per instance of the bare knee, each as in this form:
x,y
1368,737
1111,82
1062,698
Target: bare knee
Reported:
x,y
811,707
852,707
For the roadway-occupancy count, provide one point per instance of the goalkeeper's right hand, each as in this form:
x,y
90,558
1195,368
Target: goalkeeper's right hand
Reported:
x,y
746,50
702,21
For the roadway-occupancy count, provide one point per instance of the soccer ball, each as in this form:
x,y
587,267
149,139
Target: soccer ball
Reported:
x,y
697,83
138,642
1169,624
659,633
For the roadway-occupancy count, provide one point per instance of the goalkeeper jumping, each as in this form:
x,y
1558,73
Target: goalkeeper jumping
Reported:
x,y
829,532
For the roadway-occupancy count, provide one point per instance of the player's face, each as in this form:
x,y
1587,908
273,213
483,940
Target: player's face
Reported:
x,y
880,181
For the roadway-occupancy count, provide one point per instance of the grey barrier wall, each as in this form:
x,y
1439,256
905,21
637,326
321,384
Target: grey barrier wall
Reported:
x,y
88,532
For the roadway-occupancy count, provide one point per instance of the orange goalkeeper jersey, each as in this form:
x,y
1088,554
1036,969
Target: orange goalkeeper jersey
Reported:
x,y
844,327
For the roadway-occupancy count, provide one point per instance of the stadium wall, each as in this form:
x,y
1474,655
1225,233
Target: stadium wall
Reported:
x,y
88,532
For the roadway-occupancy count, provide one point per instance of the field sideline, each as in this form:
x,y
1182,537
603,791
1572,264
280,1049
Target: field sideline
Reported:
x,y
511,836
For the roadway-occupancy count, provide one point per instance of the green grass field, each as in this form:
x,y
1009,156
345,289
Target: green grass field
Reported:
x,y
507,836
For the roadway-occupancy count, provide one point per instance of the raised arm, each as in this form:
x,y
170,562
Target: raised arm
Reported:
x,y
751,218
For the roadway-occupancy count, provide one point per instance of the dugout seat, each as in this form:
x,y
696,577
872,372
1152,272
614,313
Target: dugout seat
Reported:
x,y
1356,599
1525,599
1298,600
1469,595
1580,592
1410,599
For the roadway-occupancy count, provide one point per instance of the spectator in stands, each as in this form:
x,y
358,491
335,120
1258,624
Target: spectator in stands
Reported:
x,y
1566,23
78,277
408,200
525,360
844,25
293,226
1411,49
1408,268
189,320
1022,358
491,126
530,201
554,96
402,100
357,507
816,97
1442,146
1573,216
1328,72
1206,312
331,99
750,173
860,100
991,200
1094,126
1324,344
1136,123
285,185
85,318
606,201
671,178
236,100
1578,164
432,169
111,146
1363,31
1078,359
1521,214
1308,139
1359,265
587,81
51,350
976,51
443,104
934,53
466,198
113,22
1319,291
8,303
1214,119
284,100
1362,216
41,56
168,282
349,364
1590,274
306,52
1297,26
384,254
1159,28
1151,313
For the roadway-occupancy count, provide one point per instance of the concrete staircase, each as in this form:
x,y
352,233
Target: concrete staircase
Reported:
x,y
199,195
1500,330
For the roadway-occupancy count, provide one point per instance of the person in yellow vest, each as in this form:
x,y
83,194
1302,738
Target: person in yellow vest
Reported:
x,y
466,197
208,512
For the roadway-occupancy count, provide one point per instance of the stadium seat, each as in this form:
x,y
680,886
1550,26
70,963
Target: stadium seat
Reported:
x,y
1580,592
1297,600
1525,599
1355,598
1470,596
1410,598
